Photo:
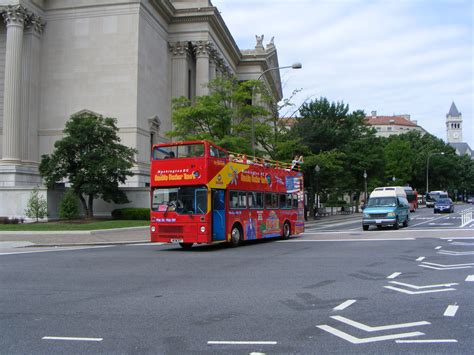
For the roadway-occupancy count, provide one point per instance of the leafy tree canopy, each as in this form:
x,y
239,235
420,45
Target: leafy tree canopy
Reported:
x,y
91,158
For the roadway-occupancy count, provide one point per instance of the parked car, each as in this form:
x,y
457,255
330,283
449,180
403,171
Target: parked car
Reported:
x,y
444,205
470,199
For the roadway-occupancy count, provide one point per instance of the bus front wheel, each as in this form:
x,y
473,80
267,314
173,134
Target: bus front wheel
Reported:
x,y
235,236
286,231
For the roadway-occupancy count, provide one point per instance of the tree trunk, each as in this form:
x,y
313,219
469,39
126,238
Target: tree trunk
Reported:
x,y
84,205
91,206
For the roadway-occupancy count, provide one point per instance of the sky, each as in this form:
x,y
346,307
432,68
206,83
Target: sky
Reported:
x,y
391,56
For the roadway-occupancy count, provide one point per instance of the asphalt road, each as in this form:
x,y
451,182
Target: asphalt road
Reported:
x,y
402,291
422,219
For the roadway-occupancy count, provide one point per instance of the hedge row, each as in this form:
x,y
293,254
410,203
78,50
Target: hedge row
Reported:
x,y
131,213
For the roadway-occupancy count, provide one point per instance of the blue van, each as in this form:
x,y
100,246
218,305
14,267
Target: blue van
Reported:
x,y
387,206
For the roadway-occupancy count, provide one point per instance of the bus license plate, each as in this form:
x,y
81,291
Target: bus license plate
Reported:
x,y
378,221
176,241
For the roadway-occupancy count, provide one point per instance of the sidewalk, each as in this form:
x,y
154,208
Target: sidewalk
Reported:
x,y
70,238
109,236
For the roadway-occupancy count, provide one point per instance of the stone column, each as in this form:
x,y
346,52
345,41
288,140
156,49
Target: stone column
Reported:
x,y
14,17
202,67
30,89
179,69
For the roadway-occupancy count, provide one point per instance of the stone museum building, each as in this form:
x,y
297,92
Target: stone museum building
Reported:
x,y
125,59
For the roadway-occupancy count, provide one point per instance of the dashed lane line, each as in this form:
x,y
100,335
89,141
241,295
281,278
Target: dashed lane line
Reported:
x,y
72,339
344,305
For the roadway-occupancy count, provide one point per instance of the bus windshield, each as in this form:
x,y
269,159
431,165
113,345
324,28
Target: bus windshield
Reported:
x,y
183,200
178,151
382,202
435,196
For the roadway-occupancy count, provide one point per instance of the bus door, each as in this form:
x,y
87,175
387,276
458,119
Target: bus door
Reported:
x,y
218,214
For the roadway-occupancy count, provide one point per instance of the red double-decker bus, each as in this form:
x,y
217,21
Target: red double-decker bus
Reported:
x,y
200,193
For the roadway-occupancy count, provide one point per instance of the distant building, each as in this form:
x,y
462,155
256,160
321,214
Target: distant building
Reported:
x,y
390,125
454,132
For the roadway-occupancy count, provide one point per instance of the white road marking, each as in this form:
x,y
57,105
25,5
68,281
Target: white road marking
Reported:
x,y
442,265
470,278
235,342
421,258
354,340
456,238
450,240
438,247
370,329
422,287
431,219
418,292
451,311
344,305
441,224
72,339
463,243
395,274
343,240
450,252
427,341
57,249
445,268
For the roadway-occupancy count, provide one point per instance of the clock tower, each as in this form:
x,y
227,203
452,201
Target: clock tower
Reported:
x,y
454,125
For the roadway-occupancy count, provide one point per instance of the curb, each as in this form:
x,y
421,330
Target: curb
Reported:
x,y
90,232
90,244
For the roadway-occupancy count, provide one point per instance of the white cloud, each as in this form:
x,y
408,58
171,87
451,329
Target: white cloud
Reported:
x,y
412,57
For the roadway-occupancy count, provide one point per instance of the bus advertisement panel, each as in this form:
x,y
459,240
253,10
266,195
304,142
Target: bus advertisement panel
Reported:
x,y
200,193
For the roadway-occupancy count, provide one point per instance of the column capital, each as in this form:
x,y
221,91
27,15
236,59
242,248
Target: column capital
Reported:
x,y
202,48
179,48
14,15
35,23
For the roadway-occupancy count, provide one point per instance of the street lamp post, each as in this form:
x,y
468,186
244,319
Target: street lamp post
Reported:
x,y
428,167
365,187
317,169
293,66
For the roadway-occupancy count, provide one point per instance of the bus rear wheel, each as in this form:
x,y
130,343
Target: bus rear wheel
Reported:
x,y
186,246
286,231
235,236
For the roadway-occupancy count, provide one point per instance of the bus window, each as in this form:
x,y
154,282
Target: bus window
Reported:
x,y
295,200
255,199
282,198
271,200
183,200
237,199
242,199
288,201
233,199
201,201
179,151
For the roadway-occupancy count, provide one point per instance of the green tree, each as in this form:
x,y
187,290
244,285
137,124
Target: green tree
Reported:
x,y
92,159
224,116
399,160
69,206
37,206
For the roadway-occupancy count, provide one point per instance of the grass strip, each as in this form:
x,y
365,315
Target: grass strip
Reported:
x,y
74,226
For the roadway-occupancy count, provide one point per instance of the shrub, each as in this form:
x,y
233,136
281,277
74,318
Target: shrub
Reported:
x,y
131,213
37,206
69,206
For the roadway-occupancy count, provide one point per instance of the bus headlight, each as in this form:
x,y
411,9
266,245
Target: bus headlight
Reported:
x,y
366,215
203,229
391,214
153,228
